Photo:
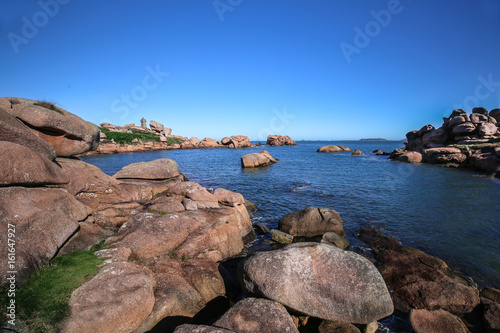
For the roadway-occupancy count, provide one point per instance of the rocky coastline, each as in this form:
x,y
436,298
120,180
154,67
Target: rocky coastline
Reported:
x,y
463,141
175,255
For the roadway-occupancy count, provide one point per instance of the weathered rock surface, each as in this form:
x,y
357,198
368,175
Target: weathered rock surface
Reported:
x,y
418,280
159,169
328,326
240,141
208,143
167,205
445,155
187,328
13,130
44,219
319,280
66,132
201,197
281,237
410,157
332,149
312,221
255,160
439,321
118,299
490,302
334,239
190,143
23,166
357,152
280,140
228,198
252,315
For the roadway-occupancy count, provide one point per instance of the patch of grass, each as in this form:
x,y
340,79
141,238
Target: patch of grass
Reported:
x,y
49,105
185,258
159,212
127,138
42,300
172,255
174,141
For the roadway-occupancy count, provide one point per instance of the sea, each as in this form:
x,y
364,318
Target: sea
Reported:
x,y
453,214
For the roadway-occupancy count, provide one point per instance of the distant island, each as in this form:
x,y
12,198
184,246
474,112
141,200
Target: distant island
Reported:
x,y
373,139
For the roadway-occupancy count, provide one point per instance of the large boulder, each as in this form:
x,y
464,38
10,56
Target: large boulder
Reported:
x,y
255,160
229,198
160,169
43,220
464,129
487,129
319,280
194,191
444,155
280,140
480,110
410,157
190,143
23,166
66,132
240,141
357,152
419,280
495,113
118,299
13,130
208,143
252,315
435,136
332,149
311,222
439,321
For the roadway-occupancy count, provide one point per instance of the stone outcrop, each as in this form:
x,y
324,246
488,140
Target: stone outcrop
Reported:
x,y
357,152
43,219
254,160
159,169
66,132
332,149
209,143
13,130
252,315
311,278
280,140
467,141
23,166
425,321
418,280
190,143
311,222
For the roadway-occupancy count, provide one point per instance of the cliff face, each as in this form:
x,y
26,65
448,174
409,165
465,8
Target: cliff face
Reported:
x,y
468,141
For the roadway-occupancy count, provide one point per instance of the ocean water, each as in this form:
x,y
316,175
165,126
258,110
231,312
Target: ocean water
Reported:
x,y
452,214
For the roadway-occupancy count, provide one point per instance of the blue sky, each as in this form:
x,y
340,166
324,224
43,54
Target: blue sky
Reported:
x,y
312,70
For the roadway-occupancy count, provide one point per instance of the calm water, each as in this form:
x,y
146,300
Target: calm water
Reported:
x,y
453,214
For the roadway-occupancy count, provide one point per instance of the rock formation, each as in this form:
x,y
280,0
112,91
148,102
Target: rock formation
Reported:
x,y
280,140
463,140
255,160
67,133
312,221
332,149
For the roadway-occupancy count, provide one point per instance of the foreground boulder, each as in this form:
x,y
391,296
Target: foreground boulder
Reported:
x,y
159,169
66,132
252,315
439,321
311,222
23,166
43,219
280,140
418,280
255,160
319,280
13,130
118,299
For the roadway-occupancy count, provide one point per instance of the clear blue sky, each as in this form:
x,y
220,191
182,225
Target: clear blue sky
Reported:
x,y
253,67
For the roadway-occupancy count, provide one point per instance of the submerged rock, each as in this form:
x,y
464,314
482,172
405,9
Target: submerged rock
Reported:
x,y
319,280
